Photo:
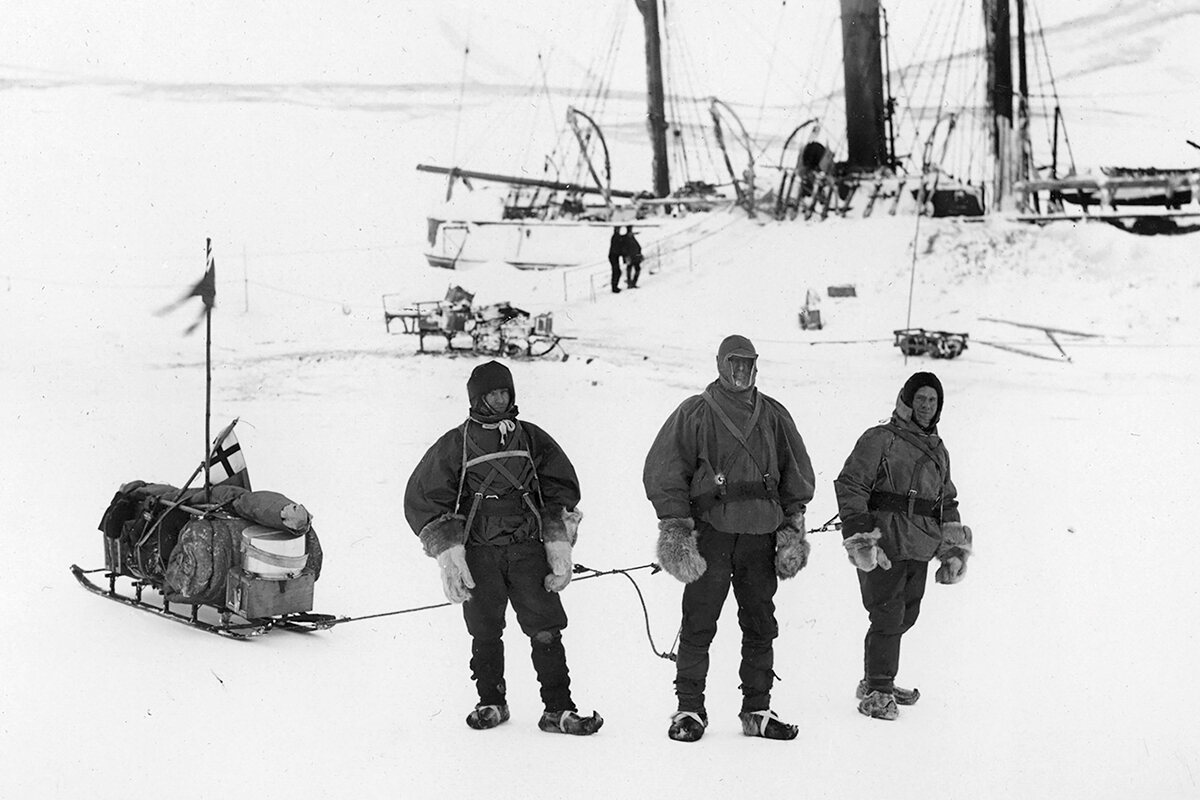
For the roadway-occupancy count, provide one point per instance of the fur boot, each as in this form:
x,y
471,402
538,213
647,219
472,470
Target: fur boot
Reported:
x,y
677,551
561,525
570,722
484,717
767,725
443,533
791,548
558,555
904,697
687,726
864,551
879,705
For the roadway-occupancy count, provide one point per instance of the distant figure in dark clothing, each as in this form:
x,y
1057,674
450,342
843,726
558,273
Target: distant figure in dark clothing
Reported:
x,y
616,247
633,258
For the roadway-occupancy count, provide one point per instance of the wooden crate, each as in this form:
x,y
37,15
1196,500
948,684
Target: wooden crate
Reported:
x,y
253,597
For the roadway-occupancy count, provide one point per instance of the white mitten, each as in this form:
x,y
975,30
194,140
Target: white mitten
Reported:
x,y
558,555
456,577
864,551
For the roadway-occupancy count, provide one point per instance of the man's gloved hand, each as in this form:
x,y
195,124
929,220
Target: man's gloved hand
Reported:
x,y
456,578
791,548
953,552
677,550
558,556
864,551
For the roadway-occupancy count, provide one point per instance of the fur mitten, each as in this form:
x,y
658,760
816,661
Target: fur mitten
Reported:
x,y
791,548
443,533
560,524
864,551
558,556
456,577
677,550
953,552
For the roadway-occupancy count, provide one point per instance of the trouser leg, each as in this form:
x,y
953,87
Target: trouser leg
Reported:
x,y
541,616
484,615
754,585
702,602
615,263
892,599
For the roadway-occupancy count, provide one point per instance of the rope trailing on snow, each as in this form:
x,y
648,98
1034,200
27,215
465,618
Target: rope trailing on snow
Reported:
x,y
654,568
579,568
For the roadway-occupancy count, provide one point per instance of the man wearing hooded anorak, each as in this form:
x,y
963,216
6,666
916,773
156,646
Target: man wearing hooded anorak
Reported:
x,y
729,478
899,509
493,500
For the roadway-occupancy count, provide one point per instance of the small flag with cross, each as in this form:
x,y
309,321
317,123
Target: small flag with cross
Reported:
x,y
227,462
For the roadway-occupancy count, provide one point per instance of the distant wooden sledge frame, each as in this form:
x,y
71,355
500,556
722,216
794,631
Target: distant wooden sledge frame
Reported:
x,y
1144,204
499,329
935,344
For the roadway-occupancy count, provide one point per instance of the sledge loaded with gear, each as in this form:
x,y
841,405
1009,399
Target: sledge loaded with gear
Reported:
x,y
499,329
223,558
935,344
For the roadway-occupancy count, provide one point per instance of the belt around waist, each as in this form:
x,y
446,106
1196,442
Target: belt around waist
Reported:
x,y
890,501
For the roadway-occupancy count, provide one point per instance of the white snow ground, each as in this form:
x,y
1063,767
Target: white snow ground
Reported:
x,y
1062,666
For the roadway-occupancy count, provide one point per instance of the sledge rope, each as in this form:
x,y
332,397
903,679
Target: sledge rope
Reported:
x,y
579,568
832,524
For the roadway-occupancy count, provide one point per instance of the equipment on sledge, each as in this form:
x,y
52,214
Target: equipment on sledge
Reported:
x,y
499,329
246,560
935,344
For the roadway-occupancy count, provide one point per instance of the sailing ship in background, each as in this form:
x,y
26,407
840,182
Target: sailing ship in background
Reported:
x,y
937,122
566,217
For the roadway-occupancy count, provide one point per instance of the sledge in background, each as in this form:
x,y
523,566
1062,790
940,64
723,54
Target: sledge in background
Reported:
x,y
499,329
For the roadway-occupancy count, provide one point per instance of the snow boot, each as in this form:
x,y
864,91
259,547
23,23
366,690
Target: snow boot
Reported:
x,y
767,725
484,717
687,726
570,722
904,697
879,705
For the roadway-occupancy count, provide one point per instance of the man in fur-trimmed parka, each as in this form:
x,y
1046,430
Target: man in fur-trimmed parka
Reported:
x,y
729,478
493,500
899,510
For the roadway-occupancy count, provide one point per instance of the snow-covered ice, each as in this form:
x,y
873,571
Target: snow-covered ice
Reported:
x,y
1062,665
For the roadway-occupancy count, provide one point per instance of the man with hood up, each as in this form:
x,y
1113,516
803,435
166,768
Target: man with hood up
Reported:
x,y
493,500
899,509
729,478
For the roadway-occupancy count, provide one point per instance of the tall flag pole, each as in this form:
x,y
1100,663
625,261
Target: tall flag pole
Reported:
x,y
211,277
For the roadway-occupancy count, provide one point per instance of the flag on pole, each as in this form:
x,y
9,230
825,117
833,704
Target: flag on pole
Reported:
x,y
205,289
227,462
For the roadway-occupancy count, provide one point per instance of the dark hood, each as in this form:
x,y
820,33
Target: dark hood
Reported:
x,y
486,378
735,346
904,400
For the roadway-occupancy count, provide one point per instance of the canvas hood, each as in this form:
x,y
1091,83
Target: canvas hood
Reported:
x,y
904,400
735,346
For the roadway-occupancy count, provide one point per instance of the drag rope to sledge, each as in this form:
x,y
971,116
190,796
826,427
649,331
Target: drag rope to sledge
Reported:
x,y
579,568
669,656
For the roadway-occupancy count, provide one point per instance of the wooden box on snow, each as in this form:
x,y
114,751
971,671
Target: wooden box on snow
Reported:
x,y
253,597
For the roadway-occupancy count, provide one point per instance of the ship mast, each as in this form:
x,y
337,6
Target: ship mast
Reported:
x,y
997,23
862,67
656,117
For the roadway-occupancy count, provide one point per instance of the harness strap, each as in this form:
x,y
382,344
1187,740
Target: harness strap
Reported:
x,y
480,498
740,435
727,493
